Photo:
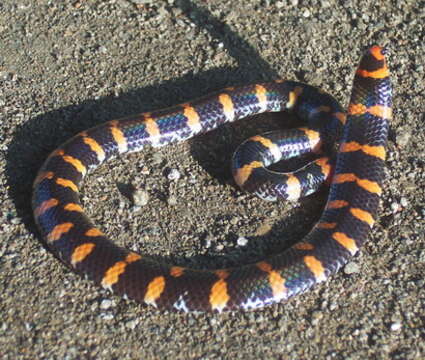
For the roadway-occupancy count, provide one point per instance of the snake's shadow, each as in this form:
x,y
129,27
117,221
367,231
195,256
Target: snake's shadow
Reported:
x,y
34,140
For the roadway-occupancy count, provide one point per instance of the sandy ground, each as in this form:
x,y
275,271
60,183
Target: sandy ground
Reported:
x,y
69,65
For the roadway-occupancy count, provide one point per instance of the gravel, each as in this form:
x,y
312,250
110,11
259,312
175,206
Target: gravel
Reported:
x,y
68,65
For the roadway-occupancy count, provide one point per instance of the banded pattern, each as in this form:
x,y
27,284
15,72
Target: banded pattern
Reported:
x,y
350,212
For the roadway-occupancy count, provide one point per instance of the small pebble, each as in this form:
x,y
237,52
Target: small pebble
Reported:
x,y
306,13
316,316
105,304
145,170
132,324
351,268
208,242
157,158
242,241
220,247
172,200
173,174
140,197
395,326
139,2
395,207
404,138
15,221
103,49
333,306
404,202
106,317
4,75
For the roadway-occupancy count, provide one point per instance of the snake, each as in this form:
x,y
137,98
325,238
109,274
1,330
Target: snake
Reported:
x,y
349,148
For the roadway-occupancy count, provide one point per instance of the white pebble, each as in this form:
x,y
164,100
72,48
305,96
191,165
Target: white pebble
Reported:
x,y
132,324
219,247
106,304
404,138
140,197
395,207
106,317
208,242
351,268
172,200
242,241
404,202
173,174
395,326
103,49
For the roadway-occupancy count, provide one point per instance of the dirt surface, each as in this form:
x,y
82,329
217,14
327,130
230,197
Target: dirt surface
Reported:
x,y
69,65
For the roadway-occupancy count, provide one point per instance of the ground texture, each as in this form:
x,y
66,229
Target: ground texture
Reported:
x,y
69,65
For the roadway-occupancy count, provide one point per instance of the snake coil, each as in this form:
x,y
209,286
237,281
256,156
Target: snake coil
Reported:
x,y
351,209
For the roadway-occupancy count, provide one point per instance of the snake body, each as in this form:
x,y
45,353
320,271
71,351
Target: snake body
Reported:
x,y
355,178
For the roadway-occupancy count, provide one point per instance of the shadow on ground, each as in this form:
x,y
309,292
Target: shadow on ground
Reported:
x,y
33,141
